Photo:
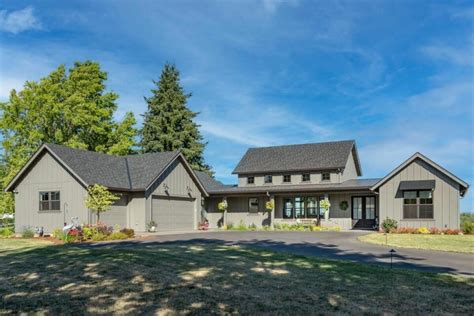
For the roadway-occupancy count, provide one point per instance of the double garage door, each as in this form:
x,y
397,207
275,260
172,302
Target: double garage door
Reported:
x,y
173,214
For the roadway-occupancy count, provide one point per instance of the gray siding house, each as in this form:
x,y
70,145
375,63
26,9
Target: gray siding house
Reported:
x,y
51,188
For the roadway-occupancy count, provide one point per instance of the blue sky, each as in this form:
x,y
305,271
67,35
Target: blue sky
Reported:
x,y
396,76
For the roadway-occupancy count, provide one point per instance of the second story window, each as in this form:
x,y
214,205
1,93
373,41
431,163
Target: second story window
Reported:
x,y
250,180
326,176
305,177
268,179
287,178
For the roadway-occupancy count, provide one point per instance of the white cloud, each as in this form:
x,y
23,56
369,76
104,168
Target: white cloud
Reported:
x,y
460,56
18,21
271,6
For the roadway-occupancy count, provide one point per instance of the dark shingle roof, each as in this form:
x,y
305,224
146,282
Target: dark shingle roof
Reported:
x,y
134,172
209,183
317,156
353,184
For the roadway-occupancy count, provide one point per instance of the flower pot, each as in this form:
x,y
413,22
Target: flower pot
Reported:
x,y
152,229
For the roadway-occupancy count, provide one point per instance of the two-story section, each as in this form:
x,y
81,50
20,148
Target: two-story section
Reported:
x,y
296,178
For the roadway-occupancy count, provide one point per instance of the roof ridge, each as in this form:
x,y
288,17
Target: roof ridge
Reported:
x,y
303,144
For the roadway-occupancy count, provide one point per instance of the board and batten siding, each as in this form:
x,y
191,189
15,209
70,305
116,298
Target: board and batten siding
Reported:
x,y
48,175
180,184
445,197
350,171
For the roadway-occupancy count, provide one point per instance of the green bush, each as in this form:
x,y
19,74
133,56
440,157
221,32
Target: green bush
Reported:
x,y
241,226
252,227
230,226
6,232
468,228
98,236
117,236
389,225
128,231
28,233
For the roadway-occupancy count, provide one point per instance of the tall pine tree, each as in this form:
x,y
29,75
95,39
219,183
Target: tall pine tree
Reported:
x,y
168,124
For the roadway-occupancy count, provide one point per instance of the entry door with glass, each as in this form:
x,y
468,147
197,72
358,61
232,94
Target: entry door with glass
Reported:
x,y
363,207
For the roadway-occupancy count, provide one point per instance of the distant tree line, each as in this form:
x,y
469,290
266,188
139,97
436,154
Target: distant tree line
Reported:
x,y
72,107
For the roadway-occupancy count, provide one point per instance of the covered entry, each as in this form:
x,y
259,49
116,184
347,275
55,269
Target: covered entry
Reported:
x,y
173,214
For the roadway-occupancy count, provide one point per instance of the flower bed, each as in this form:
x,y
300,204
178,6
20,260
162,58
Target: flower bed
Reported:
x,y
98,232
281,227
424,230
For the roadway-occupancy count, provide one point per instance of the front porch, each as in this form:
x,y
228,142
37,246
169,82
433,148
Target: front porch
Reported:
x,y
348,209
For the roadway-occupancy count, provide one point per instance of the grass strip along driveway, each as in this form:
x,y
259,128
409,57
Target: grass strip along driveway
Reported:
x,y
202,278
453,243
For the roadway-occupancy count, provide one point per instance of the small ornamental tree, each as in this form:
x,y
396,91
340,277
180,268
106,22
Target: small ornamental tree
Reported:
x,y
99,199
222,206
325,205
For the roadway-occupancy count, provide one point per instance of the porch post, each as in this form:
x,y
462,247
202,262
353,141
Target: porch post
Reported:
x,y
224,218
272,213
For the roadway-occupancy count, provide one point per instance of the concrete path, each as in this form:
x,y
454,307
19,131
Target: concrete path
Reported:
x,y
332,245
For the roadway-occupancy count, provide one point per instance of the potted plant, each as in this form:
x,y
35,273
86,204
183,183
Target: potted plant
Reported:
x,y
222,206
325,205
151,226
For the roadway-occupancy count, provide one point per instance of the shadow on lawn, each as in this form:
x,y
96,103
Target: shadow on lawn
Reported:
x,y
315,249
203,276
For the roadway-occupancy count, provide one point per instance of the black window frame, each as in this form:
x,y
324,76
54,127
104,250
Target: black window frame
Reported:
x,y
304,179
287,177
268,176
251,182
328,176
49,204
249,205
418,206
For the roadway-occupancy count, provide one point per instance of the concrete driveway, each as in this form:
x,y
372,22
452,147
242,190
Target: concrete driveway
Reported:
x,y
332,245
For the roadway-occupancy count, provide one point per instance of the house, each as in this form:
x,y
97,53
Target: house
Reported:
x,y
50,189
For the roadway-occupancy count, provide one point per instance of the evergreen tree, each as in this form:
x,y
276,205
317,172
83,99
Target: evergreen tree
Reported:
x,y
168,123
70,108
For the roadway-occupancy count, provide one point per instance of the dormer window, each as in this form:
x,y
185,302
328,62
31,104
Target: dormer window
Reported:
x,y
326,176
250,180
286,178
305,177
268,179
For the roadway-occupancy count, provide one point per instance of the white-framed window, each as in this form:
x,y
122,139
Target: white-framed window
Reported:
x,y
250,180
268,179
286,178
49,201
326,176
253,205
305,177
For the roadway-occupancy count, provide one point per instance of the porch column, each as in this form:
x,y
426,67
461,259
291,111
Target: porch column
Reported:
x,y
272,213
224,217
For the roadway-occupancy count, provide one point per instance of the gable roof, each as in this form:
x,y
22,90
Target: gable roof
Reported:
x,y
303,157
209,183
464,186
129,173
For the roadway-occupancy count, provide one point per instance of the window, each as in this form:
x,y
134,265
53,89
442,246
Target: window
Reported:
x,y
253,205
417,204
49,201
305,177
326,176
311,207
287,178
299,207
287,208
250,180
268,179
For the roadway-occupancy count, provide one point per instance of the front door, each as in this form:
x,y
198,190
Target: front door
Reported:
x,y
363,207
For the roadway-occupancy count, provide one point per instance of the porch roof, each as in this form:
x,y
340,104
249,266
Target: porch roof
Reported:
x,y
354,184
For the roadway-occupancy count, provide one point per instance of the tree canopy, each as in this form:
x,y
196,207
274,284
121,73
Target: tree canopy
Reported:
x,y
66,107
169,124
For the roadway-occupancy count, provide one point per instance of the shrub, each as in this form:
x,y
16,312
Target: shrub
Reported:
x,y
252,227
266,228
468,228
389,225
6,232
241,226
452,231
230,226
98,237
315,228
28,233
435,231
128,231
87,231
423,230
117,236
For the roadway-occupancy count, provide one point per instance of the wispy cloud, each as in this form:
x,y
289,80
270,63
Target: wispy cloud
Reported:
x,y
271,6
462,56
19,21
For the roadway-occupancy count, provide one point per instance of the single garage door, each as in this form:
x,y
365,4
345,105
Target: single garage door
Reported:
x,y
173,214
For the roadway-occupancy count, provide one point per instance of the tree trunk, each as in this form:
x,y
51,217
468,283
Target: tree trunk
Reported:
x,y
98,217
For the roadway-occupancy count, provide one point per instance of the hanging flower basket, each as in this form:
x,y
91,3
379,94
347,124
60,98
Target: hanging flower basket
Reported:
x,y
269,206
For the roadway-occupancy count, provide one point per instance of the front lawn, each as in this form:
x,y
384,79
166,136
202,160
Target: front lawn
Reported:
x,y
200,278
455,243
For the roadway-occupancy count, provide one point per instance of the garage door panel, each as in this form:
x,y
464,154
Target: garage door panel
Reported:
x,y
173,214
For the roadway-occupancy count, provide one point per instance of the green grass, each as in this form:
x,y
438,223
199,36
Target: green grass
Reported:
x,y
455,243
195,278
